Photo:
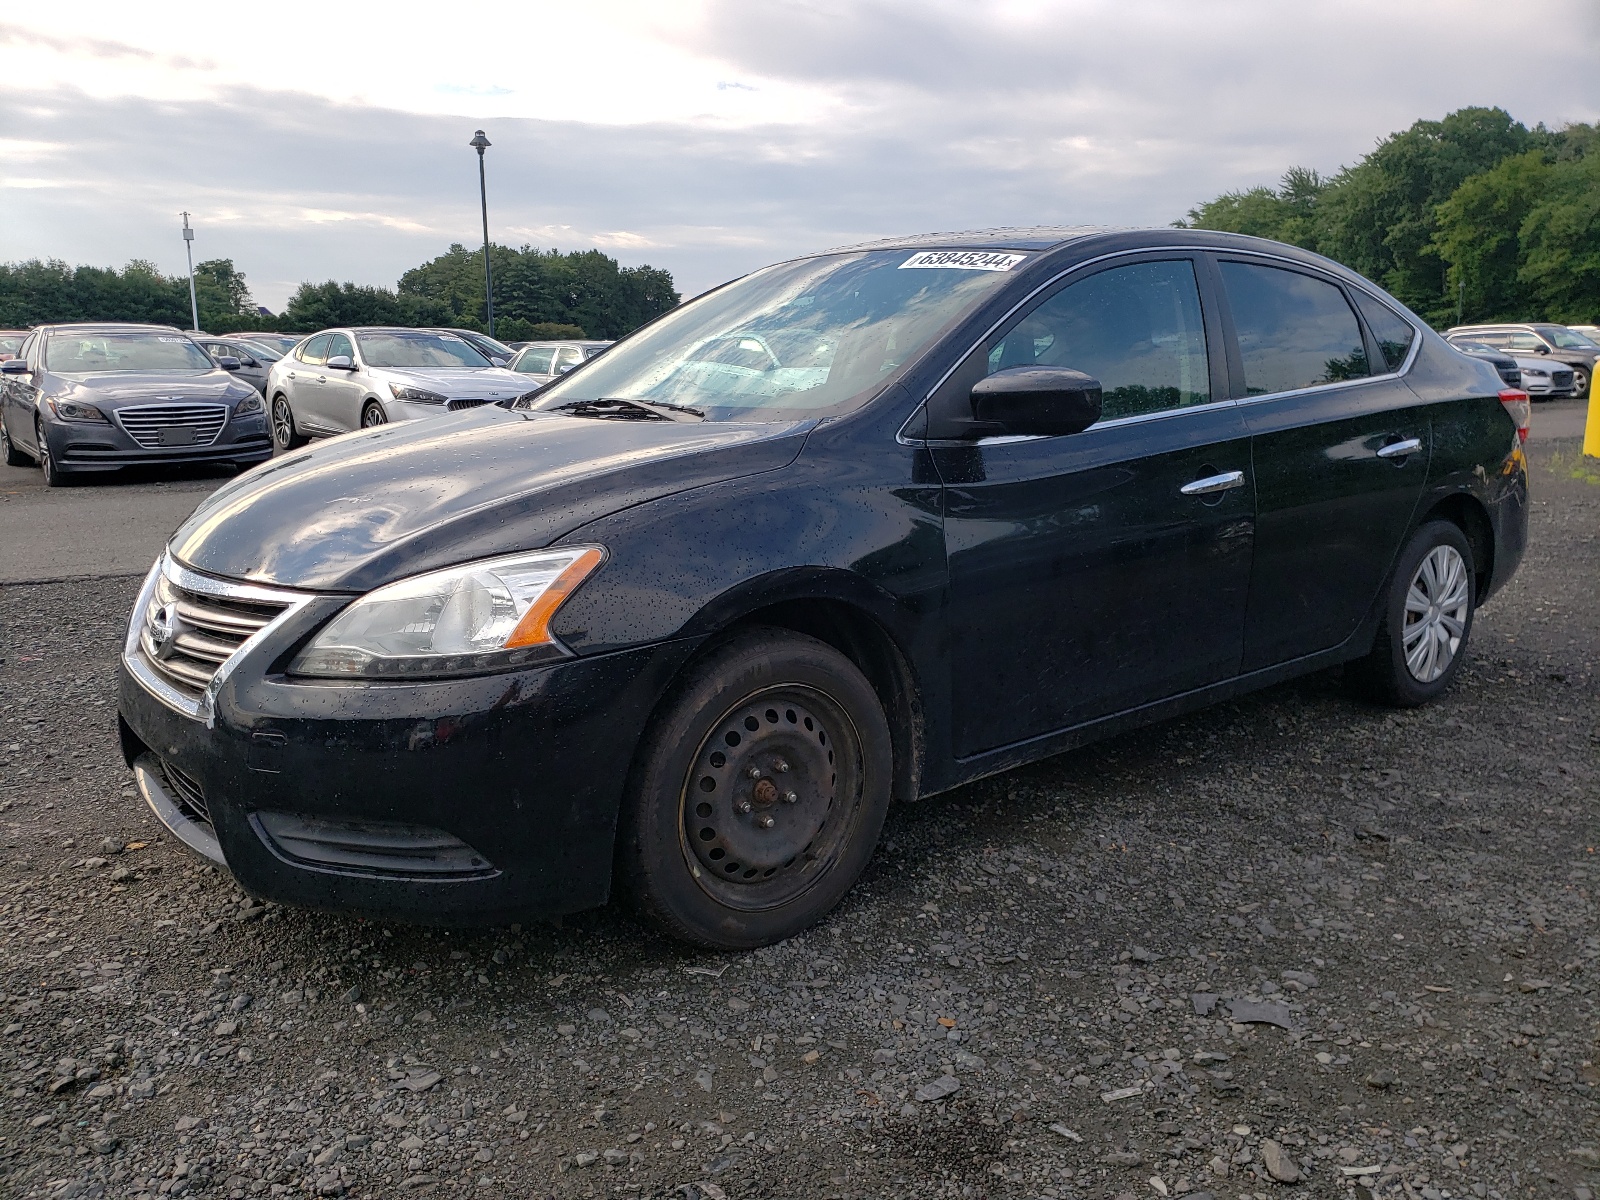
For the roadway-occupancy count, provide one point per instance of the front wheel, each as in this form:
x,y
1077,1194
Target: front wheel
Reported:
x,y
54,476
1580,382
372,415
1426,622
758,794
284,434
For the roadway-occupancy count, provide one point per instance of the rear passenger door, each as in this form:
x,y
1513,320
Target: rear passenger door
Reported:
x,y
1340,447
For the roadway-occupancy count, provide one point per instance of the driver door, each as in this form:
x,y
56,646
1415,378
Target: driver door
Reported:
x,y
1094,573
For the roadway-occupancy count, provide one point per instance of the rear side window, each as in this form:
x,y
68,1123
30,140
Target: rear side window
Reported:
x,y
1137,329
315,352
1295,331
1393,332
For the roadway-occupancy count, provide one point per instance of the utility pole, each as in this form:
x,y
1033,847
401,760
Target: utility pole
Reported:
x,y
188,248
1461,297
480,144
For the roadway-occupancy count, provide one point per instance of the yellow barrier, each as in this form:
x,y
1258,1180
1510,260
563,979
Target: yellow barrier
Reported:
x,y
1591,428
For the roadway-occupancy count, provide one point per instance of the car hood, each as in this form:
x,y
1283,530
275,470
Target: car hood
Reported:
x,y
459,383
114,388
364,509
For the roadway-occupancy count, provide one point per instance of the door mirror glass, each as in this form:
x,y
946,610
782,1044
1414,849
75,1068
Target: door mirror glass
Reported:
x,y
14,366
1035,401
341,362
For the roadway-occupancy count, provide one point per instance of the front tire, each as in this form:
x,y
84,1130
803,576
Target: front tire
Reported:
x,y
285,435
1427,620
758,793
1580,383
373,415
54,476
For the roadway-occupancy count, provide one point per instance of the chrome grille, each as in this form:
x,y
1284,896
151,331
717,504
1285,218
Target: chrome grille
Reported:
x,y
188,634
186,790
159,426
458,405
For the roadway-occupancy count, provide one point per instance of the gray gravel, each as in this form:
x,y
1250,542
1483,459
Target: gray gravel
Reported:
x,y
1292,943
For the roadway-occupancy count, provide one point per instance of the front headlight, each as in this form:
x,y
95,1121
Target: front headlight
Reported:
x,y
71,410
250,404
485,616
415,395
1535,371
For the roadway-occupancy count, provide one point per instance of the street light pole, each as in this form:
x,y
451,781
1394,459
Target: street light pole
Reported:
x,y
188,248
480,144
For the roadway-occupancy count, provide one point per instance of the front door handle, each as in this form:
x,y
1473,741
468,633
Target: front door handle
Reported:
x,y
1401,449
1213,483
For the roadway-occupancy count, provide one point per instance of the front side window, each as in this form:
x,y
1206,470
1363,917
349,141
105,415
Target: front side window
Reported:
x,y
402,348
339,344
1295,331
315,352
1393,332
93,353
1525,341
535,360
1137,329
814,337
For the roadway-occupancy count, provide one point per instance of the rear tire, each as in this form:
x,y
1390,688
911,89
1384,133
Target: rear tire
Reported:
x,y
1427,620
14,457
285,435
758,793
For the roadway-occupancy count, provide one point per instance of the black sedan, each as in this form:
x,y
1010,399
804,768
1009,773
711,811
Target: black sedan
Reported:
x,y
80,399
855,528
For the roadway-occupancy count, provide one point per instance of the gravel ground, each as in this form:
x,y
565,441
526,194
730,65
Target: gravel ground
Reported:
x,y
1292,943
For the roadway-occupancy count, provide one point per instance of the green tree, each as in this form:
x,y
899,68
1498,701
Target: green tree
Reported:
x,y
222,294
1287,214
1378,216
1560,239
1478,236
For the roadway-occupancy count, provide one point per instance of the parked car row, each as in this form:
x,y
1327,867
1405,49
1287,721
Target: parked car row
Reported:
x,y
1556,360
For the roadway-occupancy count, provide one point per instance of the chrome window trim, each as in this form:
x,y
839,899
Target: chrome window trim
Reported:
x,y
202,709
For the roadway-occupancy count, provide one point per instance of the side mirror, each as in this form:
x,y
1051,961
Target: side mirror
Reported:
x,y
14,366
340,362
227,362
1542,349
1035,401
496,361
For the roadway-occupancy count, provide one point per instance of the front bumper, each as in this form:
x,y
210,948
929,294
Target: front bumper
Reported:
x,y
97,446
473,801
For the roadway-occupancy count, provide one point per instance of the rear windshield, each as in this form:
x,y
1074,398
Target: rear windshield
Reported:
x,y
417,350
90,353
281,342
806,338
1566,339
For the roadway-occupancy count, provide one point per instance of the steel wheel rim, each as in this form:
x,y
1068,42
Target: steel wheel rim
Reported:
x,y
745,841
282,421
373,417
1437,606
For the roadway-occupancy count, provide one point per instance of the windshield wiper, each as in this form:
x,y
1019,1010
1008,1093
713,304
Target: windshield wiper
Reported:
x,y
622,409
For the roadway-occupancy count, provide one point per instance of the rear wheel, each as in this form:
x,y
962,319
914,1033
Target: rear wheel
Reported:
x,y
1426,622
759,793
54,476
372,415
8,449
284,434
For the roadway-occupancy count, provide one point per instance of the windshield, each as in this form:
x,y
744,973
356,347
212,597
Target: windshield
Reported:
x,y
805,338
281,342
1565,339
398,349
88,353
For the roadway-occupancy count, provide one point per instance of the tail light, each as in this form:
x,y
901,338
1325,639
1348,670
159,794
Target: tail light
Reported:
x,y
1521,410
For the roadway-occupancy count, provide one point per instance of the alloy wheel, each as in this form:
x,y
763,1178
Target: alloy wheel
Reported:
x,y
282,422
1436,613
759,816
372,416
1580,382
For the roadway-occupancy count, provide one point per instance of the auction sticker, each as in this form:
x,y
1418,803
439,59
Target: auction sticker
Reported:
x,y
965,260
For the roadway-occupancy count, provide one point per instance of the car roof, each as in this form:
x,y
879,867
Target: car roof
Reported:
x,y
98,326
565,342
1031,237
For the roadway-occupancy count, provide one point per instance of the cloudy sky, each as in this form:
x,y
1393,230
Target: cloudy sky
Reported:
x,y
329,140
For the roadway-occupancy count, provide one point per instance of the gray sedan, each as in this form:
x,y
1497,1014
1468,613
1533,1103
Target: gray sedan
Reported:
x,y
545,361
344,379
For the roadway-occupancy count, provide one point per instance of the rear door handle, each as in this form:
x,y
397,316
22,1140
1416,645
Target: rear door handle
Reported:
x,y
1401,449
1213,483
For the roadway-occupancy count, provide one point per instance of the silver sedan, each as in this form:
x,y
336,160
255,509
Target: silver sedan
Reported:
x,y
344,379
